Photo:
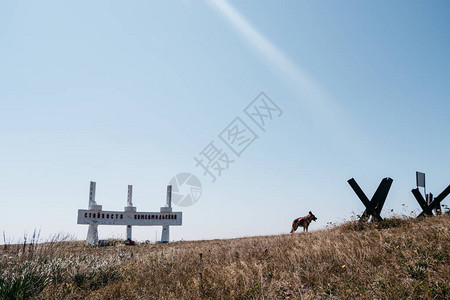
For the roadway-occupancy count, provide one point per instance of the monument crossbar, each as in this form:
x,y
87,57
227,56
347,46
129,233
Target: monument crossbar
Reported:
x,y
103,217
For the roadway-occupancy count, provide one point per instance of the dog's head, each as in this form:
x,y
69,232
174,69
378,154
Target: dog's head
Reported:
x,y
313,217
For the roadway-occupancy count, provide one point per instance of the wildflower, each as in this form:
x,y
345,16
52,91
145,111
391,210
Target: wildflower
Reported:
x,y
343,266
396,247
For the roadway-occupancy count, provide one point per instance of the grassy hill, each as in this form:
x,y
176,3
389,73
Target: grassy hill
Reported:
x,y
397,258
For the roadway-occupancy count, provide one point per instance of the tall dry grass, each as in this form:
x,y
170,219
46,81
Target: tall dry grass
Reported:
x,y
395,259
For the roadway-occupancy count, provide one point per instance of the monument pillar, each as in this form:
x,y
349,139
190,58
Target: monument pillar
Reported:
x,y
130,209
92,235
165,234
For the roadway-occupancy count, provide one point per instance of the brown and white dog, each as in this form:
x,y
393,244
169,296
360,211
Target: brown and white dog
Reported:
x,y
304,222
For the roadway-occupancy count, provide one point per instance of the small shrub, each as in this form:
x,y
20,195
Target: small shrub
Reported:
x,y
416,272
23,282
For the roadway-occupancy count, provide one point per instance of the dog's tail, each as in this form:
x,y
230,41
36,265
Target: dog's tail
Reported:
x,y
293,226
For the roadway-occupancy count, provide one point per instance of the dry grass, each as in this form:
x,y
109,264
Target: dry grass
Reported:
x,y
396,259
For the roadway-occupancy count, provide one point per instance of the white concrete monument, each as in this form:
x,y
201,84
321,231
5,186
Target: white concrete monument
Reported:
x,y
95,216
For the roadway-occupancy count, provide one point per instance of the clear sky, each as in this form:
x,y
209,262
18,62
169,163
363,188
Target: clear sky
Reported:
x,y
130,92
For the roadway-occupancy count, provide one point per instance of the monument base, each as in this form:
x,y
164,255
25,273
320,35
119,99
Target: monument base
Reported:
x,y
92,236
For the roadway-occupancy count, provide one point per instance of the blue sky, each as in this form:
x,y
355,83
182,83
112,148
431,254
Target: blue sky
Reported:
x,y
128,93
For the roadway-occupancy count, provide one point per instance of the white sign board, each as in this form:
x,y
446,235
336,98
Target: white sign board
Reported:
x,y
420,179
126,218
